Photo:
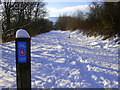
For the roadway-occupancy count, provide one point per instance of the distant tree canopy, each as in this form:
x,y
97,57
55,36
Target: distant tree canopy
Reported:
x,y
105,19
70,22
102,20
26,15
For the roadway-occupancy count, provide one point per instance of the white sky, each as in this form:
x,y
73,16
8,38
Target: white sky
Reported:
x,y
59,7
81,0
55,12
56,8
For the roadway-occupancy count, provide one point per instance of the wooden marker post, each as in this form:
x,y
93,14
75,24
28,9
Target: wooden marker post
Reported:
x,y
23,60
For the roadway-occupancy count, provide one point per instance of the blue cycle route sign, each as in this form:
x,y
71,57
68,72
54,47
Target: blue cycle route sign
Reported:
x,y
21,52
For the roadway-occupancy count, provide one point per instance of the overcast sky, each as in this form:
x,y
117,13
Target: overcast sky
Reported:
x,y
59,8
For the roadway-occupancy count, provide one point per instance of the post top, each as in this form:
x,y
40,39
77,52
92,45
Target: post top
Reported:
x,y
21,33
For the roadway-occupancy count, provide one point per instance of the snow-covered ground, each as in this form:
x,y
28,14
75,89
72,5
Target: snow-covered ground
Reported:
x,y
64,59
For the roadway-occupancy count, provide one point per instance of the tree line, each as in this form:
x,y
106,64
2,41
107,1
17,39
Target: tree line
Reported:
x,y
102,20
25,15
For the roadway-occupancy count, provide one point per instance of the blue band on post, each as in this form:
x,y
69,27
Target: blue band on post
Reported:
x,y
21,52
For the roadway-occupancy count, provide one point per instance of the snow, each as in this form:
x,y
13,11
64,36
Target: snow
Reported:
x,y
22,34
65,59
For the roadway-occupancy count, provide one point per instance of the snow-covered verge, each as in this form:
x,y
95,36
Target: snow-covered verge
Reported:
x,y
64,59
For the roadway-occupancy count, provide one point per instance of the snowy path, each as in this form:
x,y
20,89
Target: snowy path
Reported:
x,y
64,59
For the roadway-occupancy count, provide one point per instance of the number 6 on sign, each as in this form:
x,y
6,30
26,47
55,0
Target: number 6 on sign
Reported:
x,y
22,52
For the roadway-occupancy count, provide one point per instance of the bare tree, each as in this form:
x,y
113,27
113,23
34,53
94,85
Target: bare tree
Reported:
x,y
7,14
39,10
19,14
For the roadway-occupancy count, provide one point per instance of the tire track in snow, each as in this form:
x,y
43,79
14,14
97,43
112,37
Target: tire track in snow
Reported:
x,y
59,61
68,50
81,66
